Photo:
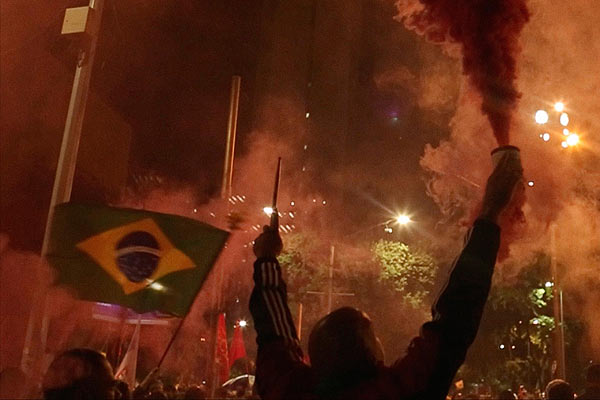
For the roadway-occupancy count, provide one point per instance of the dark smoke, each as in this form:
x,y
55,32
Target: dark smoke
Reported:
x,y
488,33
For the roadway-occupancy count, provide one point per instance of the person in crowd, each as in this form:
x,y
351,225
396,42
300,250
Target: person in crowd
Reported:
x,y
592,383
558,389
345,354
122,390
195,393
79,374
507,395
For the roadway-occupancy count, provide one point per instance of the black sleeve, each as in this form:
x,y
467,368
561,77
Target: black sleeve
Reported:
x,y
279,359
433,358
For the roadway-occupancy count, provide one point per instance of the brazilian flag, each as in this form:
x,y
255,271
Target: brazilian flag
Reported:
x,y
143,260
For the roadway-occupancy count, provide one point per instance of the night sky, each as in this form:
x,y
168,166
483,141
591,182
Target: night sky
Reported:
x,y
164,69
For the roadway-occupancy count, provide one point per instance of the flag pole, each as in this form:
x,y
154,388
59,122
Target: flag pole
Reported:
x,y
171,341
275,214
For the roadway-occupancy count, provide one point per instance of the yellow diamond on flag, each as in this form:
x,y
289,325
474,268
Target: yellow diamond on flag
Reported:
x,y
135,255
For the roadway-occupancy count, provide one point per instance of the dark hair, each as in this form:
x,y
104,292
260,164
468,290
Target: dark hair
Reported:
x,y
96,383
507,395
342,348
559,390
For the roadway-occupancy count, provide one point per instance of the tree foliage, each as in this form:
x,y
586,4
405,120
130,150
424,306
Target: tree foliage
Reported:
x,y
408,271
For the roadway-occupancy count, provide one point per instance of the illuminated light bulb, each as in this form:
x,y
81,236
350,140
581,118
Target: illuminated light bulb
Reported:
x,y
535,321
564,119
292,203
324,202
564,145
541,117
549,284
530,183
307,114
559,106
403,219
195,210
243,323
566,132
501,347
513,347
572,139
545,136
268,210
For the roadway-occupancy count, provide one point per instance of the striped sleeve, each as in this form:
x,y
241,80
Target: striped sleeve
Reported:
x,y
268,304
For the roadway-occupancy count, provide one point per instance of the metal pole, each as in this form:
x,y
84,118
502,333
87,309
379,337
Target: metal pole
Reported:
x,y
299,321
330,290
557,337
234,101
65,170
563,361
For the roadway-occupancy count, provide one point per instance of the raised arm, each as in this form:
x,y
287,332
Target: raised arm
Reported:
x,y
279,366
433,358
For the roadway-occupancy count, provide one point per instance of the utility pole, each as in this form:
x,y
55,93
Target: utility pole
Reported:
x,y
330,293
557,303
84,21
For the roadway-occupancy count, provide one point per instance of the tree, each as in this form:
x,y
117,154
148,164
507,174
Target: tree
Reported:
x,y
514,343
408,271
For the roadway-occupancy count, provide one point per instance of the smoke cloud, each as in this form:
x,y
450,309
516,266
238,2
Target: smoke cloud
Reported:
x,y
555,65
487,33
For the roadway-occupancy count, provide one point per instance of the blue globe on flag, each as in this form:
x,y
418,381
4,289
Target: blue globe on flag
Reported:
x,y
138,254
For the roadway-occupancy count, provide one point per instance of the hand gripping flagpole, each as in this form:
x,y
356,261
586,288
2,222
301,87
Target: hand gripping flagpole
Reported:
x,y
275,214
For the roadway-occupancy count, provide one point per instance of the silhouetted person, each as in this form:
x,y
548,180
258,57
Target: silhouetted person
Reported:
x,y
79,374
507,395
592,383
346,356
122,391
558,389
195,393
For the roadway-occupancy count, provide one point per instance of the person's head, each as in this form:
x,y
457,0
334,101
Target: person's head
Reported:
x,y
592,376
195,393
559,390
507,395
122,391
81,374
343,348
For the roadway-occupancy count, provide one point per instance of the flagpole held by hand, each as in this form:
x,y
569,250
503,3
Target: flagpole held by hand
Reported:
x,y
275,214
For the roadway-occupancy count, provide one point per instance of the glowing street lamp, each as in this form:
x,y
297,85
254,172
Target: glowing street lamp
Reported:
x,y
403,219
541,117
572,139
268,210
559,106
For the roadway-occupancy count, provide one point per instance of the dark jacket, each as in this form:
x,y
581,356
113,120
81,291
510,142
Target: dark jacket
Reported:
x,y
426,370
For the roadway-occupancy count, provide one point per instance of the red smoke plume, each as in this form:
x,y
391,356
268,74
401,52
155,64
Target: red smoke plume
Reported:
x,y
488,33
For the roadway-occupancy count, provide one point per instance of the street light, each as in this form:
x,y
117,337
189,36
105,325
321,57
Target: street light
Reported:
x,y
541,117
268,210
403,219
572,139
